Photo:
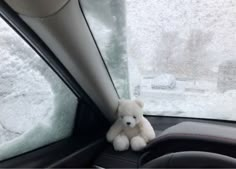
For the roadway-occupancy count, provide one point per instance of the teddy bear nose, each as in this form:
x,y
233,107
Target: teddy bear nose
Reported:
x,y
128,123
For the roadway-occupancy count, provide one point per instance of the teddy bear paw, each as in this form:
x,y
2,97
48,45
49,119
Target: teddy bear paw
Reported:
x,y
109,137
121,143
138,143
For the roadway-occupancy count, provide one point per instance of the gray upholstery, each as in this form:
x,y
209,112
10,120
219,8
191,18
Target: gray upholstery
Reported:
x,y
198,131
194,129
192,159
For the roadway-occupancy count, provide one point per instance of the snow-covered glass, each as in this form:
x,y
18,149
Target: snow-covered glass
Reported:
x,y
178,56
33,108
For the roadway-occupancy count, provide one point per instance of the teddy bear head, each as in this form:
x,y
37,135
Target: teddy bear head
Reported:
x,y
130,112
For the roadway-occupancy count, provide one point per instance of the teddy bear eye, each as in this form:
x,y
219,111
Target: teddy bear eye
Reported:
x,y
121,117
134,117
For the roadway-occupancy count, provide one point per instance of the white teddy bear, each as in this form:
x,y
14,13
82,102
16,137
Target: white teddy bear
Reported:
x,y
131,127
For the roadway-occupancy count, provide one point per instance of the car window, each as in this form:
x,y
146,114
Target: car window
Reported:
x,y
33,108
178,56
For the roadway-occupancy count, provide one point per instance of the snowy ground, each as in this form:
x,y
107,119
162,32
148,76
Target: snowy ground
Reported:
x,y
199,100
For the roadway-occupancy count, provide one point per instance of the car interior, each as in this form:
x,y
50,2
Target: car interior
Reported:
x,y
60,34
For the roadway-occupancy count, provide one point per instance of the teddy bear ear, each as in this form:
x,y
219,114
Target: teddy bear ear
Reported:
x,y
139,102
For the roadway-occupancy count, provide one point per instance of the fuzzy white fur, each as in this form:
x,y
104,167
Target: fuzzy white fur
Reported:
x,y
131,128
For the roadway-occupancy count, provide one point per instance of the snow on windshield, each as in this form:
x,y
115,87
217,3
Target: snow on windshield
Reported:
x,y
33,111
192,41
177,56
26,97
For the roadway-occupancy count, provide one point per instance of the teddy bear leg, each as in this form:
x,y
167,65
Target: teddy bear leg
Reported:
x,y
137,143
121,143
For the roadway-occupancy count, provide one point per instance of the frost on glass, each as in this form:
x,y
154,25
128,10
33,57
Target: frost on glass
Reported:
x,y
33,108
180,54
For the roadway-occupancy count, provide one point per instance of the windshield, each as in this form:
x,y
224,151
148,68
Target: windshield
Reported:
x,y
178,56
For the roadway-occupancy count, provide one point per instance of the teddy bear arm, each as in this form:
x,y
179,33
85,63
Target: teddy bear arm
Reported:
x,y
115,130
147,131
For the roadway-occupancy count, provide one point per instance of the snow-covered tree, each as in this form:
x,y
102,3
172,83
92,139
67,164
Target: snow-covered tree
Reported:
x,y
111,15
196,53
116,57
166,48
